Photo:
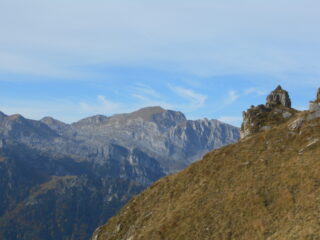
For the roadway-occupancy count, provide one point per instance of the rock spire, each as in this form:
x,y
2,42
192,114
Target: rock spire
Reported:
x,y
318,96
278,97
314,106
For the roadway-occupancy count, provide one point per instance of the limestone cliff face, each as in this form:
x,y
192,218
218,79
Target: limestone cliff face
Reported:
x,y
262,117
60,181
160,134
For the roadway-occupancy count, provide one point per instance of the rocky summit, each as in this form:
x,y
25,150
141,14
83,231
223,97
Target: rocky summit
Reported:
x,y
262,117
264,187
61,181
278,97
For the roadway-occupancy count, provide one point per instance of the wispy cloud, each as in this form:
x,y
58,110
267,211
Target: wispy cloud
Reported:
x,y
142,89
186,99
196,100
49,45
254,91
232,97
103,106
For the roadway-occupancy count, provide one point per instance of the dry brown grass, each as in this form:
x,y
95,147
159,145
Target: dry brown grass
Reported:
x,y
266,186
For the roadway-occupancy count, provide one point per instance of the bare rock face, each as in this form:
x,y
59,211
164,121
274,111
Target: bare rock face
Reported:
x,y
314,106
278,97
261,118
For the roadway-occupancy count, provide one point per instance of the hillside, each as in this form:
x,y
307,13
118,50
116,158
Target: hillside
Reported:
x,y
266,186
45,197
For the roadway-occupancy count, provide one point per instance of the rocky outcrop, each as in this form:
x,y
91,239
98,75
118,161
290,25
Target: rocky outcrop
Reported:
x,y
262,117
278,97
315,105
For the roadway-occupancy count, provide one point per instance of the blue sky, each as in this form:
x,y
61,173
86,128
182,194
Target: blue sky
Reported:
x,y
71,59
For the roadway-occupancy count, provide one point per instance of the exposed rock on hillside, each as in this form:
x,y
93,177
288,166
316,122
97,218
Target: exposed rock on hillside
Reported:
x,y
315,105
260,118
278,97
265,187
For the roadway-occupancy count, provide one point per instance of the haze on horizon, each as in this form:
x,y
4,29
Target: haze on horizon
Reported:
x,y
72,59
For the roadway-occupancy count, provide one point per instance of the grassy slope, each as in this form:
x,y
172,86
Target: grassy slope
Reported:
x,y
267,186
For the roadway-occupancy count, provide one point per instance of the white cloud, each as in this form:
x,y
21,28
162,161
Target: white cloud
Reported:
x,y
201,37
196,100
147,101
254,91
149,97
146,90
102,106
232,97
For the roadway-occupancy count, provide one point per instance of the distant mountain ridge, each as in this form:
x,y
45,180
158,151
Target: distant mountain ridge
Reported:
x,y
67,161
163,134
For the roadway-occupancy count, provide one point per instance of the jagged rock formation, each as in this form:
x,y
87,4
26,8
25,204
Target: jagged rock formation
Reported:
x,y
265,187
277,109
278,97
315,105
60,181
161,134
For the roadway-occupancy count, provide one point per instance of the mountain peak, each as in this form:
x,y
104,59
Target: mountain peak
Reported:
x,y
162,117
17,117
147,112
50,120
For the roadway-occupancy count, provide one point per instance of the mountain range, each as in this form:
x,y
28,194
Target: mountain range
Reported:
x,y
61,181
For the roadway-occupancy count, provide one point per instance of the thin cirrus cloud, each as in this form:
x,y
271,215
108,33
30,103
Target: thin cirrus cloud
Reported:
x,y
202,38
143,89
232,97
195,100
102,106
256,91
188,100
